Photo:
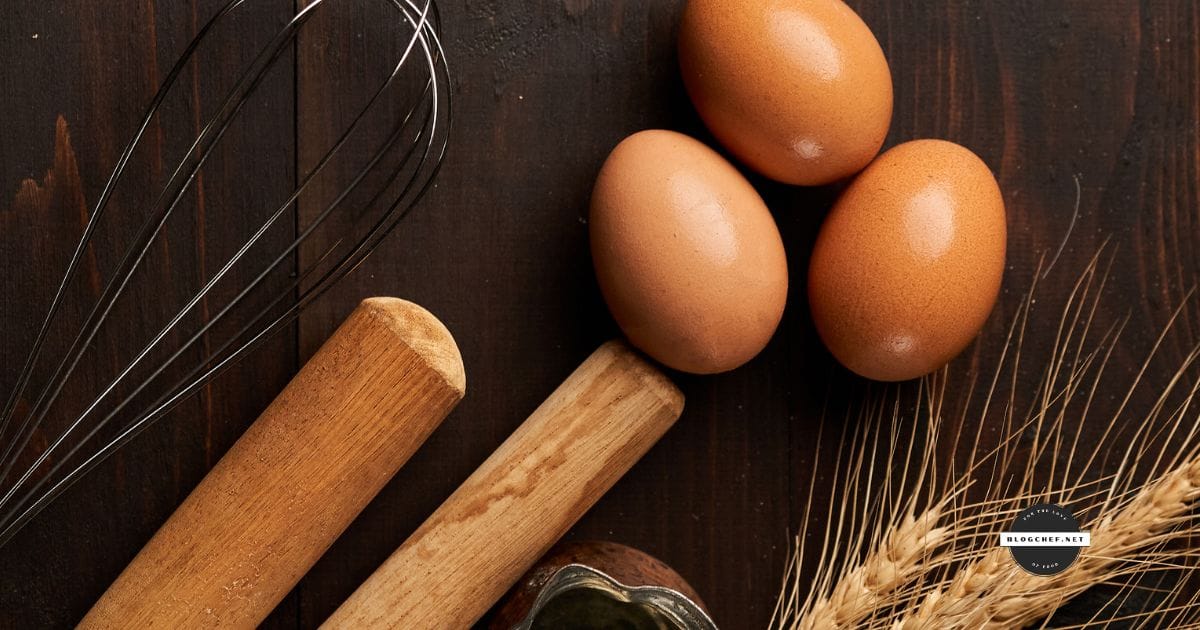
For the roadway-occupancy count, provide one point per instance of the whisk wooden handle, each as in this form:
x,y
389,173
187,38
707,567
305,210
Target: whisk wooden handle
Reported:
x,y
313,460
573,448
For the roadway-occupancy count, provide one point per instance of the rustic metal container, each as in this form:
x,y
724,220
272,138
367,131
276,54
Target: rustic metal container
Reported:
x,y
602,586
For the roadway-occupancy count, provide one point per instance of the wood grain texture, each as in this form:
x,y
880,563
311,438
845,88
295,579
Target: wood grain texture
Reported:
x,y
96,67
1107,91
335,435
558,463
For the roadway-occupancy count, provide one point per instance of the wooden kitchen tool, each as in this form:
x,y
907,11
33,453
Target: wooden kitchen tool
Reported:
x,y
573,448
314,459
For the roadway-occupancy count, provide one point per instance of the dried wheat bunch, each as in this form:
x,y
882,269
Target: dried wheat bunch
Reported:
x,y
909,539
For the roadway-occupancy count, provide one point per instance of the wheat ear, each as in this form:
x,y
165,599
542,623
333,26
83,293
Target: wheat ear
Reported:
x,y
994,593
896,562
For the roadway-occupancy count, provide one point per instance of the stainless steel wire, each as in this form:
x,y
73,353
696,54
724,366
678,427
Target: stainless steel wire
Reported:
x,y
199,340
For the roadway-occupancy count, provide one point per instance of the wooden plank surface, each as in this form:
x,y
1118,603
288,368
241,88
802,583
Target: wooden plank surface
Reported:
x,y
94,68
1103,92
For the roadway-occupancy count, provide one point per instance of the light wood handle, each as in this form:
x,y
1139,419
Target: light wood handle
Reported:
x,y
314,459
573,448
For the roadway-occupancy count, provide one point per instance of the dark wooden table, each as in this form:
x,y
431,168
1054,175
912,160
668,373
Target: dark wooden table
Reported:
x,y
1105,92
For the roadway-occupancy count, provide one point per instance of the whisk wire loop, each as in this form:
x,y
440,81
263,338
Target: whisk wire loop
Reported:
x,y
423,150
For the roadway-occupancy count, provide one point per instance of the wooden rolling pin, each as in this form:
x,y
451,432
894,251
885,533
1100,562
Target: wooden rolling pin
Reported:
x,y
314,459
590,431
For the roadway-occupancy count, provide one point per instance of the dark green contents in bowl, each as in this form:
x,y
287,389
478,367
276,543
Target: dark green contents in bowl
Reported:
x,y
593,609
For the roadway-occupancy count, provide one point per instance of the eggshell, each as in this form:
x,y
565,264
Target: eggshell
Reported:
x,y
799,90
686,253
907,266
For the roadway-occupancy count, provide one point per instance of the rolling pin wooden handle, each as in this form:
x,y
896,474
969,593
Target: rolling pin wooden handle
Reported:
x,y
573,448
314,459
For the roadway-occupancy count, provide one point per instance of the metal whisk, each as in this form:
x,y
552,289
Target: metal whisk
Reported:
x,y
396,144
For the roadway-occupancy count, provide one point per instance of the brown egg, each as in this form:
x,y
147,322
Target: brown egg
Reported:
x,y
799,90
908,264
687,255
